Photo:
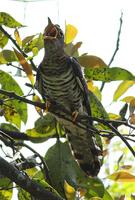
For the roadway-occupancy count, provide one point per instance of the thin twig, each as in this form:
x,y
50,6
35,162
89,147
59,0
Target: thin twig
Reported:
x,y
116,132
10,64
127,138
116,49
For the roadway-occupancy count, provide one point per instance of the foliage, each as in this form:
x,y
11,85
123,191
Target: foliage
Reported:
x,y
67,179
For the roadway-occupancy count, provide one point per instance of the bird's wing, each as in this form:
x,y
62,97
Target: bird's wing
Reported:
x,y
39,84
78,73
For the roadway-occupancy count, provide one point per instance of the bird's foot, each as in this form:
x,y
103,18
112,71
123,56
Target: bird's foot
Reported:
x,y
74,115
47,105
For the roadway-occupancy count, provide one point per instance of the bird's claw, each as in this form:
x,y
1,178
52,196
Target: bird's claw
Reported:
x,y
74,115
47,105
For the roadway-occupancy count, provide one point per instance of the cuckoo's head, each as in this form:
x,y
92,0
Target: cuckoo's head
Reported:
x,y
53,36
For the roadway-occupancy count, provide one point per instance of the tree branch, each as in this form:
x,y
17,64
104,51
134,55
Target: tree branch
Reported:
x,y
82,120
8,141
31,186
17,46
117,47
45,167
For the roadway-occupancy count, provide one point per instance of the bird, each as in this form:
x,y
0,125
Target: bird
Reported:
x,y
60,79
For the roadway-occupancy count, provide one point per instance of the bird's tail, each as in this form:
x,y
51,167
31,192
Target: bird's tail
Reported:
x,y
86,151
84,147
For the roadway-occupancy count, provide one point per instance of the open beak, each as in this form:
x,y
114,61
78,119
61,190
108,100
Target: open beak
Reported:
x,y
50,31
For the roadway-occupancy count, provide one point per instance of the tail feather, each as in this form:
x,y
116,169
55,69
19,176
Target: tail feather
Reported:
x,y
86,153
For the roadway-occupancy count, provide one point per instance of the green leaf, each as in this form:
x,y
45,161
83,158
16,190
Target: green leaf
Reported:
x,y
8,20
93,186
67,169
39,178
122,88
12,116
75,48
6,194
9,55
108,74
40,43
45,127
37,42
2,59
3,40
72,50
90,61
98,111
35,51
8,127
107,196
121,188
27,40
9,84
96,107
23,195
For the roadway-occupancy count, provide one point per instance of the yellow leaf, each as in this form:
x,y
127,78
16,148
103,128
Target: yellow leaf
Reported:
x,y
17,37
36,98
94,89
12,116
35,51
69,191
114,116
127,99
70,33
132,102
95,198
132,109
122,176
82,192
132,119
26,66
122,88
91,61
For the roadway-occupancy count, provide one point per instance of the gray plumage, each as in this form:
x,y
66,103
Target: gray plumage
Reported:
x,y
60,79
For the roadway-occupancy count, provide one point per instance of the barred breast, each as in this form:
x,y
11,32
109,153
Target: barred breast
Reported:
x,y
60,84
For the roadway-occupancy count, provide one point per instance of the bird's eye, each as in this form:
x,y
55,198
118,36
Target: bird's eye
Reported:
x,y
61,34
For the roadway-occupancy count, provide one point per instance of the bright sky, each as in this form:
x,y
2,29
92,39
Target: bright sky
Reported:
x,y
96,20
